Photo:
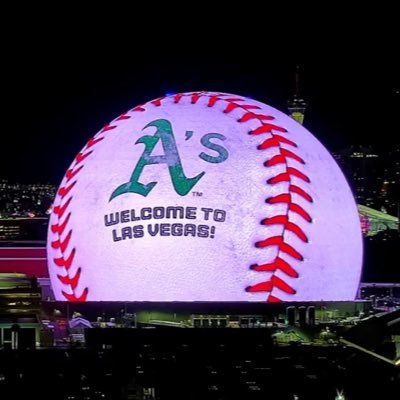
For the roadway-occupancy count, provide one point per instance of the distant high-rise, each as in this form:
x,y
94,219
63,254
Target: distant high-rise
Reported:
x,y
297,105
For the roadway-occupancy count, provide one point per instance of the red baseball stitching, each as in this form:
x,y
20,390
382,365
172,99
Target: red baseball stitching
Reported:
x,y
63,234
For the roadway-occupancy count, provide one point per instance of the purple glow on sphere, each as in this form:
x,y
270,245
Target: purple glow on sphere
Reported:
x,y
204,197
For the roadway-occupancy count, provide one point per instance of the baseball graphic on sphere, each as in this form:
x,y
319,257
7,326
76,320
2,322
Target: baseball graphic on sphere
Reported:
x,y
204,197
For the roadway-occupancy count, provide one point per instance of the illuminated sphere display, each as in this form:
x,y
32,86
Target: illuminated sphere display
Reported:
x,y
204,197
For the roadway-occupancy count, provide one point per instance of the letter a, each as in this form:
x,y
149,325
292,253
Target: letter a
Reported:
x,y
181,183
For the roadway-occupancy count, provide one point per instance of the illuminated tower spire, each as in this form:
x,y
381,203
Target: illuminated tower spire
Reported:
x,y
297,105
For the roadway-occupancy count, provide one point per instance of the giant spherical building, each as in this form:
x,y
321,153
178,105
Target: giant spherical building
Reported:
x,y
204,197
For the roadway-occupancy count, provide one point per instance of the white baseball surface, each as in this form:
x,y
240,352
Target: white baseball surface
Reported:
x,y
204,197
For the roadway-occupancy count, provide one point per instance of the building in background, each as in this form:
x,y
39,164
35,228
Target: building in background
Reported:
x,y
373,174
297,105
20,303
374,221
28,258
25,200
24,211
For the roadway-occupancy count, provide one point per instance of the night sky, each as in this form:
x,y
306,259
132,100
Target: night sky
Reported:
x,y
66,73
62,81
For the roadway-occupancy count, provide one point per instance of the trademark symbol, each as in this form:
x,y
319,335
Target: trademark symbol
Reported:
x,y
197,194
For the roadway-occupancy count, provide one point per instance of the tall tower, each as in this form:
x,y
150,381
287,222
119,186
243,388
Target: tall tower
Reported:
x,y
297,105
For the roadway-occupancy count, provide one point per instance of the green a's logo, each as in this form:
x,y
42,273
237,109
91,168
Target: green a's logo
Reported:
x,y
180,182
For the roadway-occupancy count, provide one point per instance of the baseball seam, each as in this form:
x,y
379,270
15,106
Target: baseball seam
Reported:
x,y
70,275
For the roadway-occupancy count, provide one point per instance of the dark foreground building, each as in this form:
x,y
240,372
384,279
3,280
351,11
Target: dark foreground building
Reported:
x,y
176,363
